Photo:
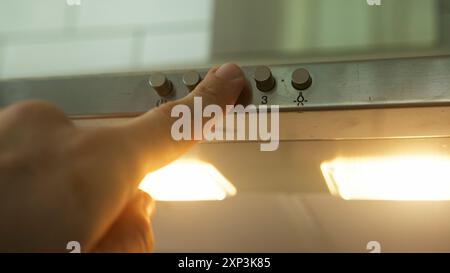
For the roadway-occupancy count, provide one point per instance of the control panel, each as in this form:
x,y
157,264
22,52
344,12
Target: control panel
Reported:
x,y
294,87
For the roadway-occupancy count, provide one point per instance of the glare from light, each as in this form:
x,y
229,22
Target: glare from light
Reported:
x,y
403,178
187,180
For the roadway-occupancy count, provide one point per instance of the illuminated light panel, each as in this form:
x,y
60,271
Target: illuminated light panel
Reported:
x,y
187,180
403,178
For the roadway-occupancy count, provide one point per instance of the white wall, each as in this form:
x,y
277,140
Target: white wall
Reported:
x,y
50,37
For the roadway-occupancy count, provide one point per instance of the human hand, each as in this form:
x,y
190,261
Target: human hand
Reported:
x,y
61,183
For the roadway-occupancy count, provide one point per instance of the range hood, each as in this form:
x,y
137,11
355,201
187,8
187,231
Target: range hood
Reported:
x,y
361,109
341,85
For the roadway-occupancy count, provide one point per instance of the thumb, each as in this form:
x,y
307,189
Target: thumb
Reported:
x,y
221,86
150,134
132,230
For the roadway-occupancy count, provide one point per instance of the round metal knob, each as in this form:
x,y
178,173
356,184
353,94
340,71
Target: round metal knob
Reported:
x,y
264,79
191,79
301,79
161,84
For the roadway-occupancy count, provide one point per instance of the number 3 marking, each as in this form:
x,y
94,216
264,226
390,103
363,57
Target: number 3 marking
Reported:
x,y
264,100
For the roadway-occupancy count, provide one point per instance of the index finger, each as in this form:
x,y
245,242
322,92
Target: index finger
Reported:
x,y
151,133
147,140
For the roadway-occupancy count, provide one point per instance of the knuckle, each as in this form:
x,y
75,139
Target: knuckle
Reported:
x,y
16,162
33,107
37,109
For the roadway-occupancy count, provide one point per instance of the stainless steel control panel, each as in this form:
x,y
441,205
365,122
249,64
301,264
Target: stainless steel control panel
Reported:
x,y
294,87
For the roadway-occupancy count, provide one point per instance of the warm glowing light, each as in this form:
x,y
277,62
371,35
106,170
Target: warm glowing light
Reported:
x,y
419,177
187,180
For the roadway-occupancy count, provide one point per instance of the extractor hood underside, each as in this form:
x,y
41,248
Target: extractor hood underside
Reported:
x,y
307,139
354,109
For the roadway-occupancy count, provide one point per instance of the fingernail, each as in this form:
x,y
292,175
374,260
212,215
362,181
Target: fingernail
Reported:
x,y
229,72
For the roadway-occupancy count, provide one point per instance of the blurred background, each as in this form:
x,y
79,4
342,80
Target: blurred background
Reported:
x,y
48,38
60,37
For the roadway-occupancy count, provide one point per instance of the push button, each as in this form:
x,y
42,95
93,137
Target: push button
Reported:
x,y
191,79
265,82
301,79
161,84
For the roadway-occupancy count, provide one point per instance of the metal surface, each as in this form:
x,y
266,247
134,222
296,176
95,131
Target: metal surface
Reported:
x,y
359,124
345,85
